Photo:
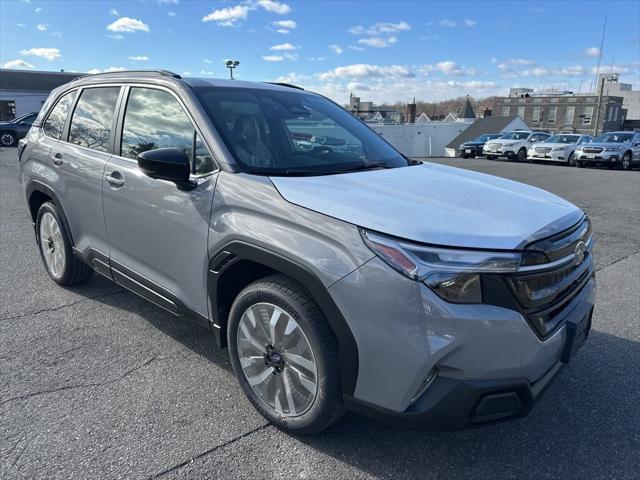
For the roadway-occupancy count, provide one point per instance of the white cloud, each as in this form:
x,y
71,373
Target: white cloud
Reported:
x,y
46,53
228,16
38,10
592,52
282,30
288,24
380,28
272,58
356,48
168,2
42,27
275,7
21,25
364,70
207,60
20,64
206,72
378,42
57,34
283,47
336,49
139,58
113,11
117,36
186,72
447,23
93,71
171,14
128,25
470,23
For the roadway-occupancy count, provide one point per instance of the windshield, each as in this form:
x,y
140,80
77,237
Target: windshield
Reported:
x,y
615,137
289,133
563,139
484,138
515,135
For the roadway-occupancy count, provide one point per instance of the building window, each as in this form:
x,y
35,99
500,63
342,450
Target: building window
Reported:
x,y
568,115
586,117
535,117
521,112
609,113
551,117
505,111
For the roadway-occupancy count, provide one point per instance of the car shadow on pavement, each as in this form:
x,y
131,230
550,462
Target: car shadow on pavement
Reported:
x,y
586,424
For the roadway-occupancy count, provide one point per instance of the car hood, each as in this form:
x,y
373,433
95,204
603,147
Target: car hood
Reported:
x,y
605,144
552,145
435,204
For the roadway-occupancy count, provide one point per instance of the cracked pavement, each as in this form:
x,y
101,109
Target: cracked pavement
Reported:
x,y
97,383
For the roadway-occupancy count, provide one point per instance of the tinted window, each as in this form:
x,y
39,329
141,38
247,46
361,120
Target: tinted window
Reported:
x,y
154,119
55,121
92,118
277,132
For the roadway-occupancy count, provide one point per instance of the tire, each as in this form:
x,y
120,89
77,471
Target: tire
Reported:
x,y
319,398
490,157
522,155
626,161
571,161
56,249
464,156
579,164
8,139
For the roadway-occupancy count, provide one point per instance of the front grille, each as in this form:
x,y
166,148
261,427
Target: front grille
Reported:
x,y
543,292
494,146
543,149
592,149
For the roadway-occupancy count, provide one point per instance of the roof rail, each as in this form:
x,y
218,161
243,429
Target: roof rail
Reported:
x,y
164,73
282,84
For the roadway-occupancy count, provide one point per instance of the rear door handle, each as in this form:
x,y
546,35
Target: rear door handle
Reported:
x,y
115,179
57,159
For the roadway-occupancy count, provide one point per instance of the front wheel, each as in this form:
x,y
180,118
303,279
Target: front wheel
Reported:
x,y
490,157
7,139
626,161
571,160
285,355
522,155
579,164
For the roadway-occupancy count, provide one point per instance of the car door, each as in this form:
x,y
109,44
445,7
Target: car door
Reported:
x,y
77,162
158,230
636,148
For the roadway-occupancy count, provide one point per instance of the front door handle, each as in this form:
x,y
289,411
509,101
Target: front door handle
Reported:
x,y
57,159
115,179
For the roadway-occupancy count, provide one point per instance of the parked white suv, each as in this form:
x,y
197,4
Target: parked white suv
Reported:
x,y
513,145
559,148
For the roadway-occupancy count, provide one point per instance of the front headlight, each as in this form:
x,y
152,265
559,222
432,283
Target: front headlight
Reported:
x,y
558,149
453,274
612,149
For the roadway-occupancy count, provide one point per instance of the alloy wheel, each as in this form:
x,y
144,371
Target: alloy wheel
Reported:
x,y
277,359
6,139
52,244
626,162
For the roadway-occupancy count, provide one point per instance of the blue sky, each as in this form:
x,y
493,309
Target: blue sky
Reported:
x,y
380,50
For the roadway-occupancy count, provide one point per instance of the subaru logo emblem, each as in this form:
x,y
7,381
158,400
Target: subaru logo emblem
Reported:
x,y
580,252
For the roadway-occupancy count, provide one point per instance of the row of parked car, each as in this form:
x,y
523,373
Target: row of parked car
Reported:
x,y
612,149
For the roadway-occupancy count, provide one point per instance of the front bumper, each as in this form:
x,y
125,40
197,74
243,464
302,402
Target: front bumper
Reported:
x,y
547,157
470,151
603,158
491,365
504,152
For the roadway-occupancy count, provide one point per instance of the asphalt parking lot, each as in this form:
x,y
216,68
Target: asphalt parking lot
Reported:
x,y
97,383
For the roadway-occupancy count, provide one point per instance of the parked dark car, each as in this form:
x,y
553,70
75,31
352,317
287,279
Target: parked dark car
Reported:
x,y
14,130
473,148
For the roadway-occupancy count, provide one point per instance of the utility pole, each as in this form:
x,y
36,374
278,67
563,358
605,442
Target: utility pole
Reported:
x,y
599,84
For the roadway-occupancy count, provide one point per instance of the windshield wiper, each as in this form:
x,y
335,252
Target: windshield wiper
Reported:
x,y
351,168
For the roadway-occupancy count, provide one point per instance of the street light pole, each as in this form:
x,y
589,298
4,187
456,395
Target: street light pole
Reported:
x,y
231,64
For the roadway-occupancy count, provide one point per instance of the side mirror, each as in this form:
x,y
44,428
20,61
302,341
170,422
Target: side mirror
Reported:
x,y
166,164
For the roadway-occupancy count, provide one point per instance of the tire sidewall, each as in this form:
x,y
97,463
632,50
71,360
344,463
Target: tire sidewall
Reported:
x,y
260,294
627,165
51,208
571,160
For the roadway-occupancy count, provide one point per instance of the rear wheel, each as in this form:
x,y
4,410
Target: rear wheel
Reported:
x,y
285,355
7,139
626,161
56,249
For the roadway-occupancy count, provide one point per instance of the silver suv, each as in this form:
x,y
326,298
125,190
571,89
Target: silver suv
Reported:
x,y
339,274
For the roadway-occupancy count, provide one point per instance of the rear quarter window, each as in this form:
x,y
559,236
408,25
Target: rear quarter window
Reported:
x,y
54,124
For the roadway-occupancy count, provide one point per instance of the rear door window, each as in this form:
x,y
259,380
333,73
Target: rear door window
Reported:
x,y
93,117
54,125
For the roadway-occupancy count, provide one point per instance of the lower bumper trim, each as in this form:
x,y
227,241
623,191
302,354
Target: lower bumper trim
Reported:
x,y
451,404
